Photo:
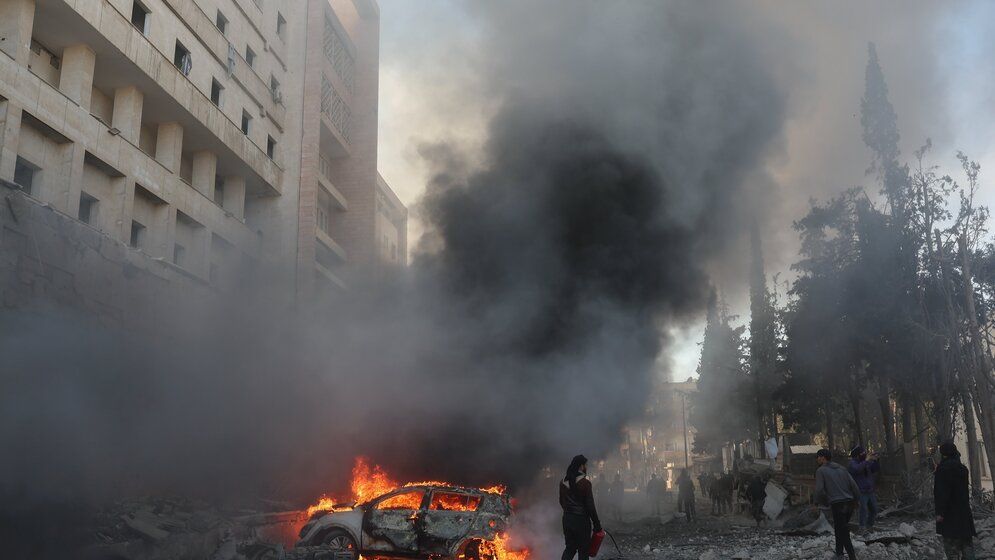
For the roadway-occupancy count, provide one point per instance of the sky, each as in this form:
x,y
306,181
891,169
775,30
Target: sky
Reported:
x,y
438,83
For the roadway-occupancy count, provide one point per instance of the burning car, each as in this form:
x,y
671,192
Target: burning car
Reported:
x,y
417,520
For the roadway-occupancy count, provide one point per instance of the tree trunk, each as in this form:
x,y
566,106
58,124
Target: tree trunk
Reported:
x,y
887,416
982,375
942,400
921,428
830,435
908,434
858,424
972,443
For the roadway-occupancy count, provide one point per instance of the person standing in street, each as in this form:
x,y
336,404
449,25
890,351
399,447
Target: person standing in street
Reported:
x,y
616,493
864,469
704,481
836,488
954,520
654,492
579,512
685,494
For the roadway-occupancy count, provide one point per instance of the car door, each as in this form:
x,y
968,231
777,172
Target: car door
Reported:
x,y
447,520
391,522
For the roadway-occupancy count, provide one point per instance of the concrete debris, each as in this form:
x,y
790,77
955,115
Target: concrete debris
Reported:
x,y
161,529
733,537
774,503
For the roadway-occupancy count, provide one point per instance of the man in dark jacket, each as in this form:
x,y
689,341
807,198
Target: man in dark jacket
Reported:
x,y
579,513
954,521
864,468
685,494
836,488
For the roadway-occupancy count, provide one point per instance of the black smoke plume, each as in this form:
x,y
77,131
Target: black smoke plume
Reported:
x,y
527,330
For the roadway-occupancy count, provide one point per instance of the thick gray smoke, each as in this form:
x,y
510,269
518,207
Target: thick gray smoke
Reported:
x,y
619,159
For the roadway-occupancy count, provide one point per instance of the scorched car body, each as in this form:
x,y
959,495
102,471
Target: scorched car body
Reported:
x,y
417,521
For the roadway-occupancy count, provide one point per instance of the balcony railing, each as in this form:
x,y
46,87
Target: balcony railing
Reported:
x,y
335,108
337,52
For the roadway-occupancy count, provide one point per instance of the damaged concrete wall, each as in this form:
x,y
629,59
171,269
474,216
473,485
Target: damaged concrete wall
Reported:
x,y
49,259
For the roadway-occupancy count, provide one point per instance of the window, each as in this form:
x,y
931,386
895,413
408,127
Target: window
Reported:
x,y
453,501
181,58
274,89
405,500
222,22
322,219
219,190
246,122
179,254
281,27
24,174
216,89
250,56
87,209
137,235
140,17
270,147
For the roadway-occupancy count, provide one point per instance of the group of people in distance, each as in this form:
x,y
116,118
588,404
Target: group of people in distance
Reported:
x,y
841,490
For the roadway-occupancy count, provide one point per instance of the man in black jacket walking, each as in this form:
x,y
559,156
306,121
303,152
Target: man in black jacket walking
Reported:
x,y
954,521
579,513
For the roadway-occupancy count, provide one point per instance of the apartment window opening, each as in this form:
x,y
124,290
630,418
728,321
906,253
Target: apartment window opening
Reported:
x,y
270,147
274,89
137,240
216,89
182,59
87,209
222,22
250,56
140,17
246,122
179,254
281,27
322,219
24,174
219,190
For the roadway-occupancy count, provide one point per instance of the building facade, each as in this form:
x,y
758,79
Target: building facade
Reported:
x,y
660,443
199,135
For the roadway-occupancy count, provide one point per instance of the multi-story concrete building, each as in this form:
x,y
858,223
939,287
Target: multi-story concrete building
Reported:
x,y
201,134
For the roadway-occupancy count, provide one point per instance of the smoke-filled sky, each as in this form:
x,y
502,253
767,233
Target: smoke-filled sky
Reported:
x,y
779,82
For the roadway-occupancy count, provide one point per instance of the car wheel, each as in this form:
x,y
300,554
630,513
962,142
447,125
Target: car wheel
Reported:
x,y
479,550
340,541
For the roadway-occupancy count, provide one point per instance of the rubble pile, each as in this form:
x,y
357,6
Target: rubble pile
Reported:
x,y
177,528
711,540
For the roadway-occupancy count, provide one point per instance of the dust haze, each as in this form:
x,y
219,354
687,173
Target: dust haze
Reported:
x,y
625,149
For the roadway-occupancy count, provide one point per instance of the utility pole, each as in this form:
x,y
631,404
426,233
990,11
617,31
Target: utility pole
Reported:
x,y
684,419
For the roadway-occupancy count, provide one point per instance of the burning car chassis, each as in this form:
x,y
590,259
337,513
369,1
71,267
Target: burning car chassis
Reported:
x,y
417,521
381,519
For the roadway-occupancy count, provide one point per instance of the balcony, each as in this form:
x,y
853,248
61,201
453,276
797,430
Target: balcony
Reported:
x,y
125,57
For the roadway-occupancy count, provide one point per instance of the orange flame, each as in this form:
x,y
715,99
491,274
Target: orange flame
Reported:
x,y
370,481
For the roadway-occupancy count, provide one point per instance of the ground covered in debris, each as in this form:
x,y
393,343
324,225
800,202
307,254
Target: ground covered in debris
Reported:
x,y
737,537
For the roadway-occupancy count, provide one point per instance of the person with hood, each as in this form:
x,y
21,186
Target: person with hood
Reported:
x,y
836,488
685,494
579,513
864,469
954,521
654,491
